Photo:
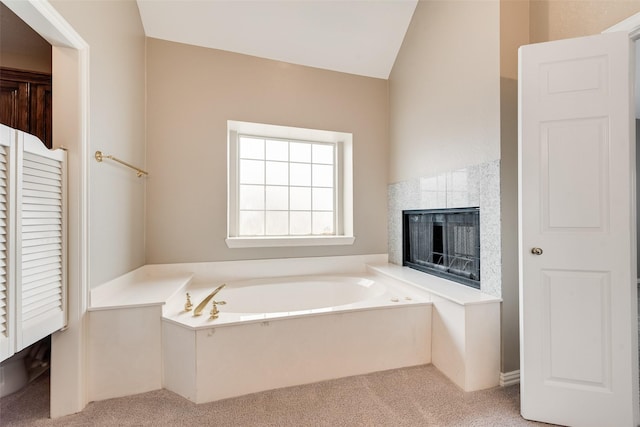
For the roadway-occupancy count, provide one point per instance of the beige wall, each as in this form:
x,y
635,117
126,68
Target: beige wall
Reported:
x,y
445,90
514,32
22,62
115,35
561,19
193,91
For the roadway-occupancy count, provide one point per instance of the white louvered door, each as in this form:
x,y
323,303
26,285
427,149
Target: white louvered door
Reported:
x,y
7,293
32,241
40,243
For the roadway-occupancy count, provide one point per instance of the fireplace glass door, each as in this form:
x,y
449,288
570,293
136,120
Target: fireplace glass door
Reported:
x,y
444,242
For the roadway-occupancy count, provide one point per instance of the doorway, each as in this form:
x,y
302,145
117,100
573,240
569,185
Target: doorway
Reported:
x,y
25,78
70,124
579,341
25,104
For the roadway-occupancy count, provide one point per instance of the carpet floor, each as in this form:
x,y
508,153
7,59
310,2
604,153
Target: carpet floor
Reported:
x,y
415,396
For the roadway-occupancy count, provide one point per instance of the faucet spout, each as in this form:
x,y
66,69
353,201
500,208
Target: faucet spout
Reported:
x,y
203,304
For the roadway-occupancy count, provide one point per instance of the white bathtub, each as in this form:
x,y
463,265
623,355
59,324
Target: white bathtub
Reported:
x,y
298,294
285,297
287,331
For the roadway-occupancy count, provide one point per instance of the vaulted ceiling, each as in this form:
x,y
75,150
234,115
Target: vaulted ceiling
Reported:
x,y
352,36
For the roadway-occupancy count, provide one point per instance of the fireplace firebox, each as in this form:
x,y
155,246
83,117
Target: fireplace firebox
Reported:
x,y
443,242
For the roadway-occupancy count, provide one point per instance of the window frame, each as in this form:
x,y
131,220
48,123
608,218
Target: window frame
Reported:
x,y
343,188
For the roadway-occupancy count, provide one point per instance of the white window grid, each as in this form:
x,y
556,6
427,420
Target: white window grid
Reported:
x,y
264,212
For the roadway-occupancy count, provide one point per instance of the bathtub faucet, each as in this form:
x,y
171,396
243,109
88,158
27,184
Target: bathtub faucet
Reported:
x,y
203,304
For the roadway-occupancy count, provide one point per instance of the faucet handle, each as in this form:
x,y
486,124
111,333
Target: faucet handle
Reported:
x,y
188,305
214,310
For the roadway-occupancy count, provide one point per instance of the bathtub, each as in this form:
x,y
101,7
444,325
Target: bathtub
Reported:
x,y
286,297
293,295
279,332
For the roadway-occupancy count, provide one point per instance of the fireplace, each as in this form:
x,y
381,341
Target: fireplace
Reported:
x,y
443,242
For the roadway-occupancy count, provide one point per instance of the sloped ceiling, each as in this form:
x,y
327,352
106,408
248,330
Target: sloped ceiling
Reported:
x,y
18,37
351,36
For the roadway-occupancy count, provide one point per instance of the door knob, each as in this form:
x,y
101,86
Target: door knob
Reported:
x,y
536,251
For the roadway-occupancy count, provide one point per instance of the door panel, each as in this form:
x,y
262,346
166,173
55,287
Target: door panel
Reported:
x,y
586,332
567,78
578,324
576,191
14,104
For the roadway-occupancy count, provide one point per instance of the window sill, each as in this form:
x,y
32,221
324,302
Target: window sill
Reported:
x,y
282,242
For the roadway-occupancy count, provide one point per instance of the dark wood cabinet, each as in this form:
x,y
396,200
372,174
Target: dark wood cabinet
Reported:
x,y
25,102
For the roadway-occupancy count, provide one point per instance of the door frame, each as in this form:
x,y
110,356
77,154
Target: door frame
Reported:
x,y
631,26
629,29
70,71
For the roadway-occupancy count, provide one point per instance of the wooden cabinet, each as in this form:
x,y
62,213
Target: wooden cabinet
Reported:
x,y
25,102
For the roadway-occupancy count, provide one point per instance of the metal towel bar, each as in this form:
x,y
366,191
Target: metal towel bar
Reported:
x,y
99,157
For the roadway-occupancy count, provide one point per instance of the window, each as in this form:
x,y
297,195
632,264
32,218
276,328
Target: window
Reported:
x,y
288,186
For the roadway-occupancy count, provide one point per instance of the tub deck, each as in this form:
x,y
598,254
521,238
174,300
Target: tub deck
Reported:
x,y
141,339
140,288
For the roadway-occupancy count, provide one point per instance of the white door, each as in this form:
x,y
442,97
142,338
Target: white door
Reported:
x,y
40,239
7,244
578,330
32,241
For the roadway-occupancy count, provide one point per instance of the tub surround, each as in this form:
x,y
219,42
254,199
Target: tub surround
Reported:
x,y
124,351
465,337
219,362
125,314
140,342
300,337
125,343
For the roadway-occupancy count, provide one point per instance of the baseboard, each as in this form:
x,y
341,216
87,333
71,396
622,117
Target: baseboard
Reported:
x,y
509,378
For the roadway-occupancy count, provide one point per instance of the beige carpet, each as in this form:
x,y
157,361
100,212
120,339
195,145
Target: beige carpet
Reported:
x,y
417,396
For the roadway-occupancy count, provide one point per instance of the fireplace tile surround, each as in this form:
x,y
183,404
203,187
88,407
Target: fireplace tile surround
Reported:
x,y
476,185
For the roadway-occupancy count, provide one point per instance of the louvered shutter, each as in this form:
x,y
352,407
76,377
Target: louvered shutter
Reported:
x,y
41,263
7,292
